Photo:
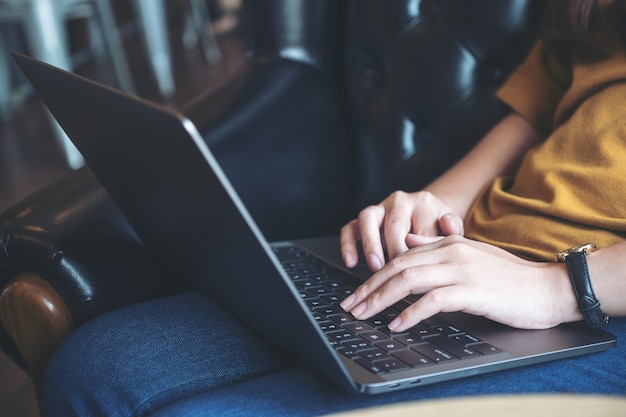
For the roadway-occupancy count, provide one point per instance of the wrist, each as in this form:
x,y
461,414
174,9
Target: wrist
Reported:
x,y
588,305
565,304
453,199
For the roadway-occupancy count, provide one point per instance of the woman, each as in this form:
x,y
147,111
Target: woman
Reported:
x,y
182,355
548,177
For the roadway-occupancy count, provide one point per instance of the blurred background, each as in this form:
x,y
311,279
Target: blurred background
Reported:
x,y
167,51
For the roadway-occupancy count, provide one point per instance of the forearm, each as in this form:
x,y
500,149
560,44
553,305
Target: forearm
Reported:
x,y
498,153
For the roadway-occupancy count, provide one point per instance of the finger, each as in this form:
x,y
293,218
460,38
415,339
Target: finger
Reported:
x,y
414,273
440,300
397,225
370,221
451,224
417,271
348,238
420,240
422,269
359,295
425,215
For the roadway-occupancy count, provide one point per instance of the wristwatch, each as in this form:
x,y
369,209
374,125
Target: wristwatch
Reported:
x,y
588,304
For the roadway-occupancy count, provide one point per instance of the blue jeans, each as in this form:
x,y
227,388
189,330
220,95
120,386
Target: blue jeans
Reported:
x,y
183,355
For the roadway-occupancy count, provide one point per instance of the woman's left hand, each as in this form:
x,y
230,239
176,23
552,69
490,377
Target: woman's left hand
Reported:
x,y
458,274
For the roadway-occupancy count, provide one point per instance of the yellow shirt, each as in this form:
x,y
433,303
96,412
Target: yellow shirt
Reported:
x,y
571,188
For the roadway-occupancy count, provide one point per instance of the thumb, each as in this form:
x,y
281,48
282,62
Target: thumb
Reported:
x,y
451,224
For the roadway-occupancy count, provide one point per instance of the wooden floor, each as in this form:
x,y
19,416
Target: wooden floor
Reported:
x,y
30,158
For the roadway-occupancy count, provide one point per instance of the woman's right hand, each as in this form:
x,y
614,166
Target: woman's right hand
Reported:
x,y
385,226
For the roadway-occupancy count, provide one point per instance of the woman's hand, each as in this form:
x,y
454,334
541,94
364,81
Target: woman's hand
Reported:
x,y
458,274
401,213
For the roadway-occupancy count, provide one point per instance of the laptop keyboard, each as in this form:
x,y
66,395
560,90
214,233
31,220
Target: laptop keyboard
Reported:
x,y
370,343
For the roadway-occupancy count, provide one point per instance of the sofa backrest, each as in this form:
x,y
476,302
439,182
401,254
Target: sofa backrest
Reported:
x,y
422,77
358,98
301,30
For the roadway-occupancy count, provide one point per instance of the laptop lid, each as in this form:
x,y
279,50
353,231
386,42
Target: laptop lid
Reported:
x,y
160,173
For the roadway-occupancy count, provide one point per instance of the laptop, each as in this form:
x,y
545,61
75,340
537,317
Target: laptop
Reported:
x,y
162,176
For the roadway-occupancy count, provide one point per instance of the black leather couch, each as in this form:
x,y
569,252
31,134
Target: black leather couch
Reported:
x,y
340,103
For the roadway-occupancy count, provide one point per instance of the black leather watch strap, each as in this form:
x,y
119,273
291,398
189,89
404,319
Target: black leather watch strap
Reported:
x,y
588,304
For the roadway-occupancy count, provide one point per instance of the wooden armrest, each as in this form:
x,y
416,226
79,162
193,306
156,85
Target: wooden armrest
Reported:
x,y
37,319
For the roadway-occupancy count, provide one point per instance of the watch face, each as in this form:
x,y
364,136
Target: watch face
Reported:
x,y
587,248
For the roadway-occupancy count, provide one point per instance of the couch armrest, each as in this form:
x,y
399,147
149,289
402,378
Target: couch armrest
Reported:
x,y
37,319
72,237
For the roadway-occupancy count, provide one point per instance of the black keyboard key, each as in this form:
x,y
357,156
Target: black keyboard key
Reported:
x,y
390,345
412,358
422,330
342,318
314,302
408,339
357,345
344,291
452,347
373,354
349,353
475,343
317,291
485,348
448,330
334,283
331,298
319,317
358,327
466,339
340,335
329,326
304,283
434,321
328,310
377,321
401,305
370,366
391,365
374,336
434,353
389,315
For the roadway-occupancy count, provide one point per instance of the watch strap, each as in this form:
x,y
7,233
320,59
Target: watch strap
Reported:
x,y
588,304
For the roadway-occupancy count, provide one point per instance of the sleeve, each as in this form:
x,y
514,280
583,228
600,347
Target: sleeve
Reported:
x,y
536,87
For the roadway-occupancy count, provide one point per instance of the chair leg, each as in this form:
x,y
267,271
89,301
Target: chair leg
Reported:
x,y
37,319
202,23
152,14
46,34
113,43
48,40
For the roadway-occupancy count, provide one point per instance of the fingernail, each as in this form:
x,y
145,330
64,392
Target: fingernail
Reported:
x,y
374,262
395,323
358,310
454,221
347,303
348,259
